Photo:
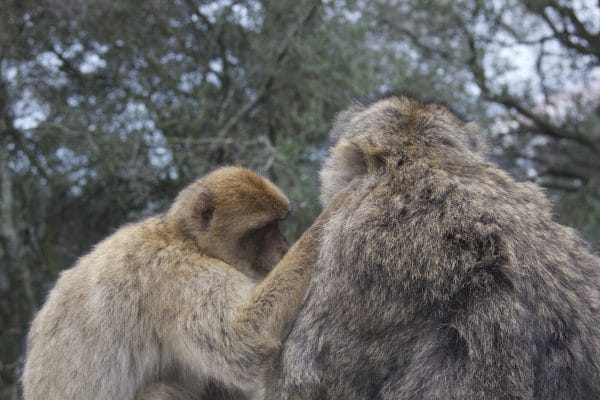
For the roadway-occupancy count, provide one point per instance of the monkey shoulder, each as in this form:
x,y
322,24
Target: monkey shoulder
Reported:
x,y
443,231
198,283
136,265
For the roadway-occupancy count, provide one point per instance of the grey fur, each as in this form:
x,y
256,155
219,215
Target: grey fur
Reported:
x,y
441,277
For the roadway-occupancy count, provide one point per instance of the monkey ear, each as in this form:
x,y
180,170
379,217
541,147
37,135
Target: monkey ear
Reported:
x,y
374,160
203,208
345,161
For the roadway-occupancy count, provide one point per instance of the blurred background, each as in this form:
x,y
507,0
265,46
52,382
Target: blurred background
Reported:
x,y
108,108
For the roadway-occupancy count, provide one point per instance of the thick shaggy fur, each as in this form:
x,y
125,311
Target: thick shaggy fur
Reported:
x,y
173,298
441,277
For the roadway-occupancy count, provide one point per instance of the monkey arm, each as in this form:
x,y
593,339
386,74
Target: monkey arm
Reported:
x,y
234,326
275,300
229,328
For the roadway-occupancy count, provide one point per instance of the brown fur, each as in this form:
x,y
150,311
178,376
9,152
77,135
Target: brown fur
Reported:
x,y
174,298
440,277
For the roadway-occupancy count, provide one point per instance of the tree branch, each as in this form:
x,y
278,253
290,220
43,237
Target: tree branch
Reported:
x,y
544,127
279,58
31,156
593,40
430,50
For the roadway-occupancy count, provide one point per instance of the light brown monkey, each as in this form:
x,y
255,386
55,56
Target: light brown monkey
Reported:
x,y
174,298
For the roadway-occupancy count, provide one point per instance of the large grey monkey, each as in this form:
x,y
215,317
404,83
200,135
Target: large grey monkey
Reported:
x,y
441,277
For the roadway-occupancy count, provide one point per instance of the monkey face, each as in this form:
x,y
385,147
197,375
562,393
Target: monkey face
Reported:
x,y
256,251
264,247
273,247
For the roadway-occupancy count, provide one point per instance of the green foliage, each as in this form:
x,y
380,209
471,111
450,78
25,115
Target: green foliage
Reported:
x,y
107,108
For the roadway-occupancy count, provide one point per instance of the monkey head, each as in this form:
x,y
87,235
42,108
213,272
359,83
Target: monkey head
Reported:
x,y
382,136
232,214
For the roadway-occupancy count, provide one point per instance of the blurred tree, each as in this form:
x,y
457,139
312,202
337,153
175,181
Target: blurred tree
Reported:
x,y
108,108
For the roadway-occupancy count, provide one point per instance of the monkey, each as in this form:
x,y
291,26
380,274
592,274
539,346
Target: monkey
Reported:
x,y
440,277
164,306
